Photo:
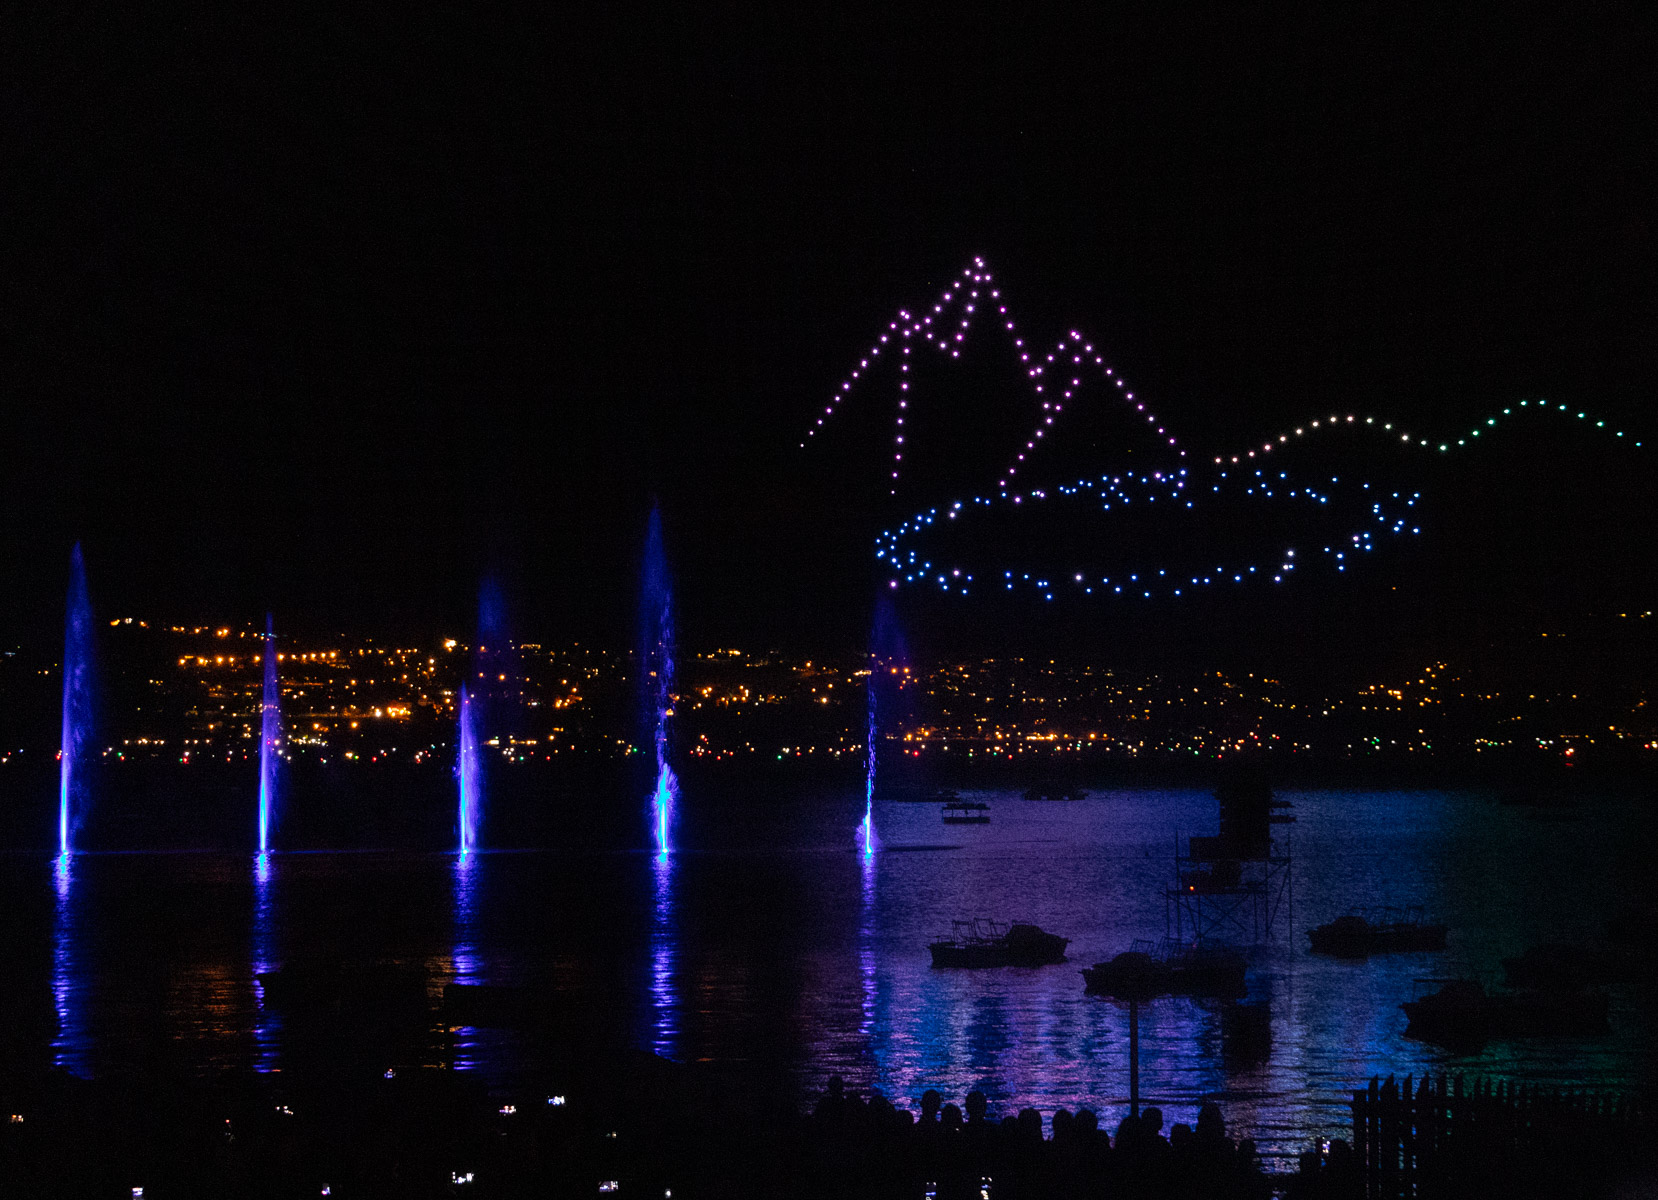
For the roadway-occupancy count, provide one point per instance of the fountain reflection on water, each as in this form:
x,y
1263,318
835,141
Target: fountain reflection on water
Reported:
x,y
68,983
664,1032
464,956
867,957
267,1022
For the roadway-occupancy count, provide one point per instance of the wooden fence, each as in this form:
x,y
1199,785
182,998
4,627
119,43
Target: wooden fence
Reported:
x,y
1453,1137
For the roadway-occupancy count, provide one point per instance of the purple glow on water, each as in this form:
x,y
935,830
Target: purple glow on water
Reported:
x,y
868,961
73,1037
820,967
464,959
664,1036
77,697
270,748
468,771
267,1024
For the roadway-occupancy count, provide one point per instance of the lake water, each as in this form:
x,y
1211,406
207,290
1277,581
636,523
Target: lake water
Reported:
x,y
768,942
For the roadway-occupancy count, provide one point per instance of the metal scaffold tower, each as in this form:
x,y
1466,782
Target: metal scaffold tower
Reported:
x,y
1233,886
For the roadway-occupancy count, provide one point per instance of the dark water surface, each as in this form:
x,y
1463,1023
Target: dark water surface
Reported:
x,y
769,942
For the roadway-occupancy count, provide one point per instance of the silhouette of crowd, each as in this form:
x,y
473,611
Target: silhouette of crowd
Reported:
x,y
648,1127
872,1147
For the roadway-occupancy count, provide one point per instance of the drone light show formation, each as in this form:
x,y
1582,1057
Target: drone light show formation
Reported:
x,y
1306,519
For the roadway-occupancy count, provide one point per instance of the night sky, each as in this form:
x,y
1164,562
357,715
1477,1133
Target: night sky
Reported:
x,y
337,314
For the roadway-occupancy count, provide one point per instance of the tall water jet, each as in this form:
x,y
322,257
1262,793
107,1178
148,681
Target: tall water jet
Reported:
x,y
887,653
866,832
497,668
468,770
77,701
270,732
656,664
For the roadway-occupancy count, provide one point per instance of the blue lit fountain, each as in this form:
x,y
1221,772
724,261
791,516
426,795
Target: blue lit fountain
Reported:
x,y
656,662
469,771
886,646
866,830
77,703
270,740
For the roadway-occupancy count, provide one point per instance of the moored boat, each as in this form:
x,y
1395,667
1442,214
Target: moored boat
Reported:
x,y
985,943
1457,1015
1170,968
1358,936
1462,1015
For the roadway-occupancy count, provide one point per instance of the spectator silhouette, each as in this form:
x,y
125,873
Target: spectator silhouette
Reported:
x,y
1249,1181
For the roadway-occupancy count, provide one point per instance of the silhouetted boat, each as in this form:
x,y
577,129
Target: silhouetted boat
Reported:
x,y
966,812
1461,1015
1053,792
985,943
1357,936
1169,968
1457,1015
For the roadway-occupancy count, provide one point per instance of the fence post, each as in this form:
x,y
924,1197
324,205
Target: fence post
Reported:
x,y
1413,1145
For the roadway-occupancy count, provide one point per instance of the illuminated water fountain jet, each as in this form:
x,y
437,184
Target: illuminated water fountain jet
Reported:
x,y
866,831
270,746
77,702
657,674
468,770
886,647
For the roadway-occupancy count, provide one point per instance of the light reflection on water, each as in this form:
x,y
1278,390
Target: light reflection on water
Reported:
x,y
868,976
768,940
73,1038
464,957
267,1023
664,1023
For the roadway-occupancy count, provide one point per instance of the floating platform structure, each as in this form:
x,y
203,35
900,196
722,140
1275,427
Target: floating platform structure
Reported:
x,y
1233,886
966,812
